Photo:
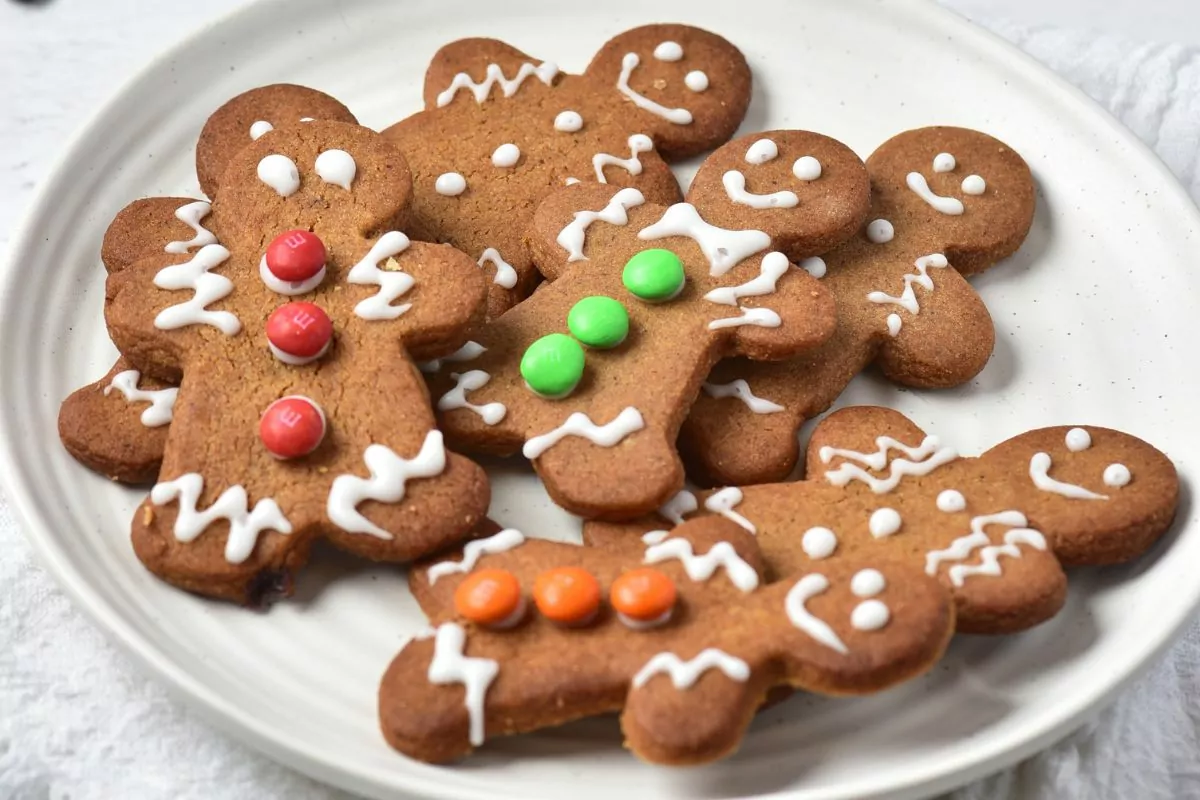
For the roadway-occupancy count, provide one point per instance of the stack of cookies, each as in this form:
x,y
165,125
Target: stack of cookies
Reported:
x,y
317,349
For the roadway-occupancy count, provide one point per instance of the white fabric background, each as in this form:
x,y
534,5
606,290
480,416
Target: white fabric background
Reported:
x,y
78,719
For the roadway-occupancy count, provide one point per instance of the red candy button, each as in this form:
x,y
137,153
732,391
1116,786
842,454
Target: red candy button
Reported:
x,y
295,256
292,426
299,332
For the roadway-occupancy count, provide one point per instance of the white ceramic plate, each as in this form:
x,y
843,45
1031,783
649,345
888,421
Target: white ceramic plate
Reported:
x,y
1095,315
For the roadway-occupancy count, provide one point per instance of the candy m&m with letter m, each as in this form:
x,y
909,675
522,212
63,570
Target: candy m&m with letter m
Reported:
x,y
299,333
294,263
292,427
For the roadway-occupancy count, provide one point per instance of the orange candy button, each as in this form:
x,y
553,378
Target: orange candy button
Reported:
x,y
567,595
643,595
489,597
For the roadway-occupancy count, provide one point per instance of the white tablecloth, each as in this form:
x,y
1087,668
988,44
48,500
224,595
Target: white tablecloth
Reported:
x,y
79,720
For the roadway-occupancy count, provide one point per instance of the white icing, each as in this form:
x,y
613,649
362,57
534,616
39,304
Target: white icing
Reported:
x,y
572,181
684,674
702,567
804,590
867,583
390,474
654,537
758,317
505,540
207,287
696,80
814,265
723,248
568,121
1117,475
679,116
880,231
638,143
506,155
450,184
162,401
450,665
774,266
573,236
1078,440
490,413
946,205
974,185
961,548
741,390
260,129
190,215
468,352
506,276
280,173
1039,473
629,421
336,167
290,288
668,51
391,284
735,188
244,524
723,503
908,298
495,77
807,168
884,522
762,151
870,615
298,361
679,506
944,162
951,501
307,119
894,325
819,543
645,624
929,454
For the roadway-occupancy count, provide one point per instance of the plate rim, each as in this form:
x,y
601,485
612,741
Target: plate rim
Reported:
x,y
997,754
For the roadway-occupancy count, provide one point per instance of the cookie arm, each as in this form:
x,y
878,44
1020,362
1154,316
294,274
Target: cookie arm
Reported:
x,y
156,226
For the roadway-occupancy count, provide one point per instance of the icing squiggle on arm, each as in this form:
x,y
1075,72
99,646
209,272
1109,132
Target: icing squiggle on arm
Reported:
x,y
390,475
162,401
244,524
679,116
207,288
494,76
191,215
702,567
505,540
490,413
759,317
638,143
506,276
572,237
684,674
929,454
391,284
723,503
773,267
961,548
629,421
468,352
450,665
679,506
741,390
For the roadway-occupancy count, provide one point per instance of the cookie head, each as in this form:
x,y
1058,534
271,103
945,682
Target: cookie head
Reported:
x,y
971,192
686,86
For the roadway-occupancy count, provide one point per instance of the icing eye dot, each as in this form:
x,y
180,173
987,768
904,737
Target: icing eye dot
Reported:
x,y
450,184
553,366
336,167
762,151
944,162
568,121
807,168
567,595
1116,475
643,597
490,597
870,615
880,231
506,155
884,522
819,543
867,583
668,51
814,265
260,129
292,427
696,80
974,185
600,322
1078,439
280,173
951,501
655,275
299,333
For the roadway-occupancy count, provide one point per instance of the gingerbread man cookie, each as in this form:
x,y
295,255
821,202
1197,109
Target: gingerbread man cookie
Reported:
x,y
995,530
118,425
946,203
299,414
502,130
591,377
685,635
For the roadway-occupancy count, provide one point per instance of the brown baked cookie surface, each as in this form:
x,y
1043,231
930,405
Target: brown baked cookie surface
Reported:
x,y
501,130
605,445
271,447
995,530
946,203
685,634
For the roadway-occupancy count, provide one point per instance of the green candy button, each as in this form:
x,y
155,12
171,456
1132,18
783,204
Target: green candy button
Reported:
x,y
599,322
654,275
553,365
